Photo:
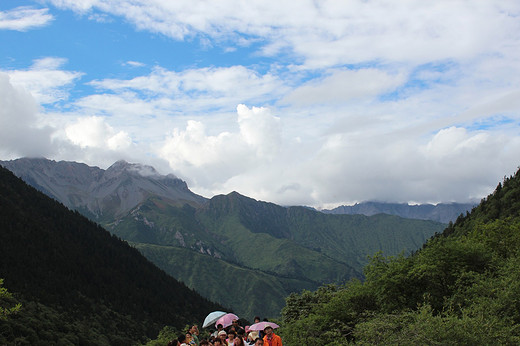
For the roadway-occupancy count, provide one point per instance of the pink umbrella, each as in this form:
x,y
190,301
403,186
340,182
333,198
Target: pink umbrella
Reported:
x,y
226,320
263,325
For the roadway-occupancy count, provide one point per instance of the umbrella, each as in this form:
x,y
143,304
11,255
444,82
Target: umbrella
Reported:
x,y
226,320
212,318
263,325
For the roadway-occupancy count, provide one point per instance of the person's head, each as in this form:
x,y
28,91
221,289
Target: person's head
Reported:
x,y
253,335
220,327
231,335
257,319
181,338
217,342
268,330
204,342
259,342
238,341
188,337
194,329
235,323
222,335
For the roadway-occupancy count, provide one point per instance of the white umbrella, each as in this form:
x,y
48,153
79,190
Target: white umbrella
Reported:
x,y
212,318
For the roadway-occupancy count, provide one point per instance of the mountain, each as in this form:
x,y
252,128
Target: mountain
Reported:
x,y
77,283
100,194
442,212
229,246
460,288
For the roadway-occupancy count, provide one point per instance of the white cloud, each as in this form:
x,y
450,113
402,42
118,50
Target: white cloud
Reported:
x,y
260,130
377,99
132,63
95,132
45,80
343,86
24,18
19,133
191,92
331,33
211,160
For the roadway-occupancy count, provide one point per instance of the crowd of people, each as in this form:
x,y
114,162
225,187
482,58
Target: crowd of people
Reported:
x,y
233,335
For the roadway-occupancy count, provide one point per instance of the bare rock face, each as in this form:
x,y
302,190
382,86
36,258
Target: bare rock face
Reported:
x,y
111,192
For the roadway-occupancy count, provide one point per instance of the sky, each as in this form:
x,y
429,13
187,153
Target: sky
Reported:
x,y
317,103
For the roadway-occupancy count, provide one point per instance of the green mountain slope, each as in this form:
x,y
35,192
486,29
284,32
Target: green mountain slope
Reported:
x,y
254,292
280,249
461,288
78,283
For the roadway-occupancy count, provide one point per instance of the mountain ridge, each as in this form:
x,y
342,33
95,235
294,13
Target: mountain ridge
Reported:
x,y
97,192
287,248
441,212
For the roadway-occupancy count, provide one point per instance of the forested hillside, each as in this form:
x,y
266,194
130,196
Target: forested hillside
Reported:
x,y
461,288
282,250
77,283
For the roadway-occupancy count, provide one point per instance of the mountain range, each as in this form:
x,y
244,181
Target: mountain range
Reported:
x,y
442,212
240,252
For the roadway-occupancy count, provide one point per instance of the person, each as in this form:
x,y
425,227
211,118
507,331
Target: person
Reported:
x,y
270,338
182,340
251,338
236,326
231,337
222,335
194,330
238,341
189,339
259,342
219,329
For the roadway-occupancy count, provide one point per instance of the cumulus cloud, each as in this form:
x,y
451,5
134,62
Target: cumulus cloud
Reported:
x,y
213,159
95,132
24,18
20,134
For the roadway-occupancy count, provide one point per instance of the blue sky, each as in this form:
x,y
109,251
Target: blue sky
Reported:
x,y
314,103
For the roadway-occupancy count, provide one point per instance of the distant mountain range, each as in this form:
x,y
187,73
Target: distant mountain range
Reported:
x,y
442,212
78,284
242,253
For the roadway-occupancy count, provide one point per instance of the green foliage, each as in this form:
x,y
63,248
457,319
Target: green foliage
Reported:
x,y
6,306
424,327
166,335
461,288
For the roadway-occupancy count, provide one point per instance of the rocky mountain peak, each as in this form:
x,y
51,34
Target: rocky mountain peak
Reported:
x,y
117,190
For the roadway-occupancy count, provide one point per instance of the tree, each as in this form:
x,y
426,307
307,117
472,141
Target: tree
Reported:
x,y
5,298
